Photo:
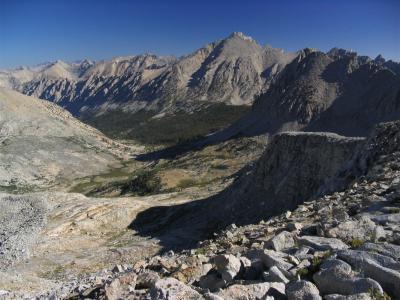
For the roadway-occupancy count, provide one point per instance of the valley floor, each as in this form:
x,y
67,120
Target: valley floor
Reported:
x,y
76,235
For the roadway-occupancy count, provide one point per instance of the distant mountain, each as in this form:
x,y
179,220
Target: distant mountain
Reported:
x,y
57,70
336,91
127,97
43,145
232,71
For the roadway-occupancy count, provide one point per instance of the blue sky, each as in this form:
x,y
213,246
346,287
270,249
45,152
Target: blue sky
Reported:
x,y
35,31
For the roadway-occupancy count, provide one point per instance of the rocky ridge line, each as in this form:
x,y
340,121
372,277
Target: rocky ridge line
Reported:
x,y
232,70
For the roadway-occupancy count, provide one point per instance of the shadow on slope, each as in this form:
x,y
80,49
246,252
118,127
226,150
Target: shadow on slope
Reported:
x,y
345,95
292,169
370,96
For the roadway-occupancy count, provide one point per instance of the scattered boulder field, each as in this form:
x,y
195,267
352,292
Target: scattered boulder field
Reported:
x,y
343,242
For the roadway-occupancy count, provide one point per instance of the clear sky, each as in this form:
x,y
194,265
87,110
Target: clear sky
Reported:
x,y
35,31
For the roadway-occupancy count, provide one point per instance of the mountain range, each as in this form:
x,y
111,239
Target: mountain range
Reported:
x,y
305,90
337,91
232,70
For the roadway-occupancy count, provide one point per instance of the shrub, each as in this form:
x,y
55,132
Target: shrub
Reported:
x,y
220,167
376,295
316,262
303,272
314,267
394,210
178,128
185,183
355,243
144,183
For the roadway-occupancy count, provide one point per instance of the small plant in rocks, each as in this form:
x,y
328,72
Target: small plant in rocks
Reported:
x,y
356,243
376,295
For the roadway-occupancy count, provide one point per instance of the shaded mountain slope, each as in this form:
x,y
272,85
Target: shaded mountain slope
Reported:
x,y
292,169
336,92
296,167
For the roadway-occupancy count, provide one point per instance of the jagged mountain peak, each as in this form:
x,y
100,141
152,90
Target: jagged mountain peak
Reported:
x,y
305,52
85,61
340,52
379,59
241,35
59,69
128,65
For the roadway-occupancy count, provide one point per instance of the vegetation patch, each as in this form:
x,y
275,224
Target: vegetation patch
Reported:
x,y
220,167
356,243
91,184
144,183
376,295
178,128
55,273
393,210
308,272
17,189
185,183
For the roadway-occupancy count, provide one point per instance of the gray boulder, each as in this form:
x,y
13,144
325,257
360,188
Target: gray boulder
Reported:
x,y
228,266
322,243
254,291
272,258
113,290
386,249
281,241
302,289
211,296
303,252
357,229
212,281
336,276
275,275
173,289
382,268
385,219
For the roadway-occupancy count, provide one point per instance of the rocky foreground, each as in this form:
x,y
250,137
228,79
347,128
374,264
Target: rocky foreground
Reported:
x,y
344,244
